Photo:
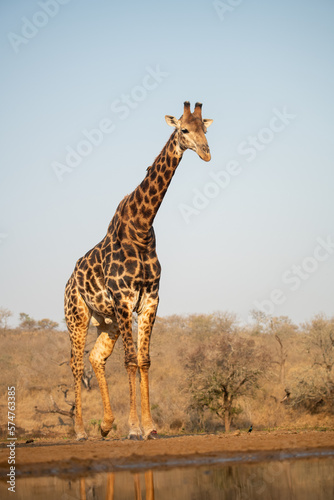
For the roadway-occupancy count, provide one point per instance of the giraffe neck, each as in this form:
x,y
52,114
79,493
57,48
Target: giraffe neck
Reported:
x,y
144,202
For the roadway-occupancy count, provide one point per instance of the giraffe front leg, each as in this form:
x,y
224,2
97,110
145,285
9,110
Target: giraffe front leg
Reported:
x,y
145,324
101,351
124,319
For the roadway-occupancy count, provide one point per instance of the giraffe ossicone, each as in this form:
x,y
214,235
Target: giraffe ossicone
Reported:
x,y
121,275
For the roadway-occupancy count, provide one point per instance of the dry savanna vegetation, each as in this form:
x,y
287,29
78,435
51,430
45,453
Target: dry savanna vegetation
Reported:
x,y
208,373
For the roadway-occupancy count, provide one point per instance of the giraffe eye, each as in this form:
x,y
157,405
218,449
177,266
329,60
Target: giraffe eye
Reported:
x,y
185,131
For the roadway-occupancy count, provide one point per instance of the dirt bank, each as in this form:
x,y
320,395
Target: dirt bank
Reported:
x,y
55,457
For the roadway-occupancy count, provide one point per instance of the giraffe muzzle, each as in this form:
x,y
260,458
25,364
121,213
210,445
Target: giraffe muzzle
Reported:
x,y
204,153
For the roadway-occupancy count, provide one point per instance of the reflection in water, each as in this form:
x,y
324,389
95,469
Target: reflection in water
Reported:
x,y
110,492
303,479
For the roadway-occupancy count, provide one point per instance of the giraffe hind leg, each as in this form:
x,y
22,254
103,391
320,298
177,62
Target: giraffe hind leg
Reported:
x,y
77,316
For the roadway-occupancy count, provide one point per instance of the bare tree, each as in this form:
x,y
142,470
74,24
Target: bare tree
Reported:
x,y
321,342
261,321
222,371
314,387
282,328
310,392
55,408
5,314
282,354
26,322
46,324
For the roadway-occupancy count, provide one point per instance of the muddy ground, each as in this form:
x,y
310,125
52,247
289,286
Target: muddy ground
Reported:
x,y
46,457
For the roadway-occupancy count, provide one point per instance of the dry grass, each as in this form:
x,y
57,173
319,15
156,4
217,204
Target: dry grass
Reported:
x,y
37,364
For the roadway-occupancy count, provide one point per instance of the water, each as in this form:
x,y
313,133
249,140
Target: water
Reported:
x,y
301,479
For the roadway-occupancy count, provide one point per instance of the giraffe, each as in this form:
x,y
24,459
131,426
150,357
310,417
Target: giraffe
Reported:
x,y
120,276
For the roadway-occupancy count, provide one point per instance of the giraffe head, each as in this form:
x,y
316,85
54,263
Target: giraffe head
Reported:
x,y
191,129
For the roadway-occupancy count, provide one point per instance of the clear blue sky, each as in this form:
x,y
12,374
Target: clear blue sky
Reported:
x,y
231,234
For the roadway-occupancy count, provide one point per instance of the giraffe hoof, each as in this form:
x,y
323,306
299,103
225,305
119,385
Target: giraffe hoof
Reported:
x,y
135,437
82,436
152,435
104,433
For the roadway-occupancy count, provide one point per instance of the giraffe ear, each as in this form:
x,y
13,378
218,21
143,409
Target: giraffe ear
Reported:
x,y
207,122
172,121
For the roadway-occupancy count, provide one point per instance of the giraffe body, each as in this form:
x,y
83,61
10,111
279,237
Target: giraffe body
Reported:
x,y
121,275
